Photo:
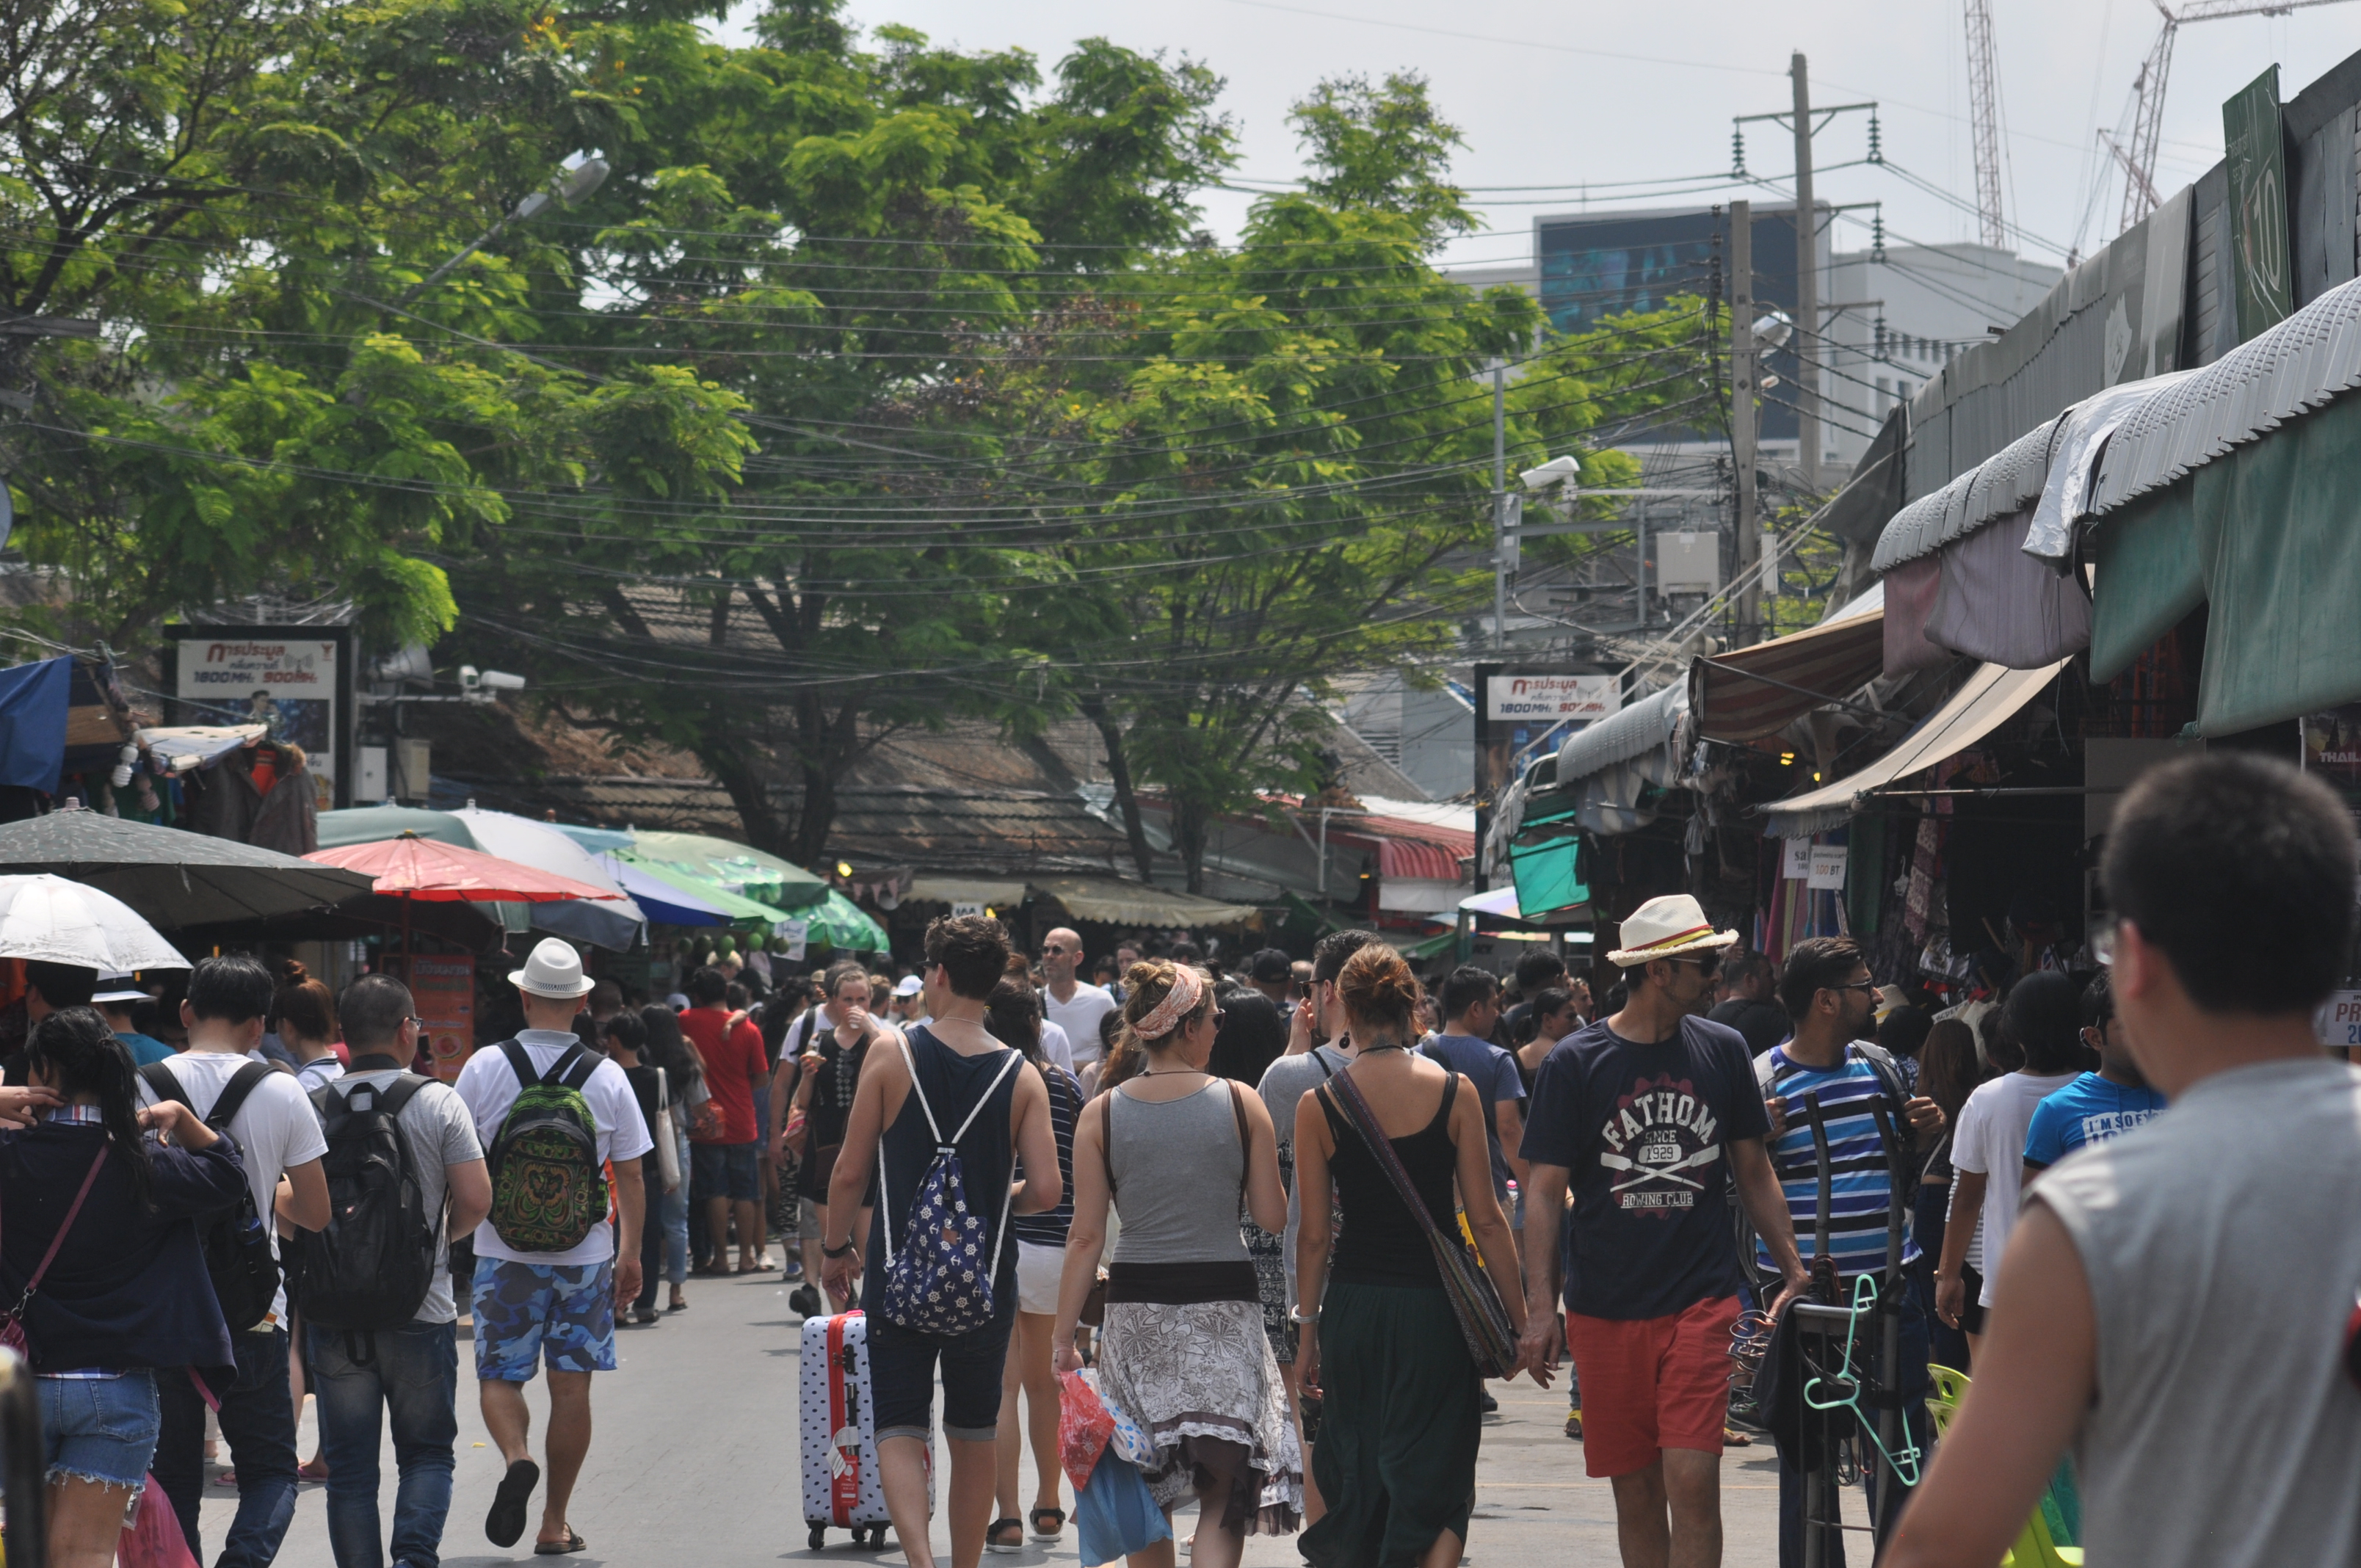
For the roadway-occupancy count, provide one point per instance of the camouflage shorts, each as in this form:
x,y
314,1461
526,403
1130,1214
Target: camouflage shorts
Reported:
x,y
530,1312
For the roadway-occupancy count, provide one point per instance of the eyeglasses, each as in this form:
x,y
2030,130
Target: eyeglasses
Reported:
x,y
1868,985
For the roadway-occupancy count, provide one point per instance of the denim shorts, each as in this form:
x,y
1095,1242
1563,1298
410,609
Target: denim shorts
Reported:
x,y
728,1171
901,1378
100,1429
529,1312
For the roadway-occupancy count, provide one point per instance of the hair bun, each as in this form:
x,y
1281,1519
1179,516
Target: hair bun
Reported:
x,y
293,972
1376,985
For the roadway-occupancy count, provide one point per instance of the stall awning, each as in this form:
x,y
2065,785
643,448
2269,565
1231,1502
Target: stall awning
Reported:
x,y
1987,699
1638,727
1115,902
1749,692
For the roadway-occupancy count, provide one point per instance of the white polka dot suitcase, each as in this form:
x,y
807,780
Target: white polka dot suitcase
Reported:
x,y
839,1432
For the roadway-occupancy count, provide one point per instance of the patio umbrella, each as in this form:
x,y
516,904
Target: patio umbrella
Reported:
x,y
616,922
838,922
173,877
371,824
673,897
51,920
411,868
740,868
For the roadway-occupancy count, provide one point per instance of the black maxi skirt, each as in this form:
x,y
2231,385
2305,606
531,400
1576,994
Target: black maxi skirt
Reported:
x,y
1398,1431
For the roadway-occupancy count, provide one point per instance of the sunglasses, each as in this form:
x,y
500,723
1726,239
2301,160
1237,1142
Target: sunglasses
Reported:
x,y
1705,966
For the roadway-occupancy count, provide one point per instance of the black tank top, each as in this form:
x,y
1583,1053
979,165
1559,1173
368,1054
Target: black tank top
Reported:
x,y
1382,1242
953,1083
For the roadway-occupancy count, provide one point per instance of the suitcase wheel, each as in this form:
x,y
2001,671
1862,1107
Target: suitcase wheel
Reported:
x,y
819,1537
877,1538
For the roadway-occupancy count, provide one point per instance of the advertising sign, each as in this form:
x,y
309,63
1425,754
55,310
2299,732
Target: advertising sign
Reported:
x,y
445,990
293,679
1552,699
1795,864
2337,1025
2331,751
2258,214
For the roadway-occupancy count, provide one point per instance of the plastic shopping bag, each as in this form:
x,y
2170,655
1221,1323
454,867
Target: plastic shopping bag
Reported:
x,y
1084,1427
153,1538
1116,1515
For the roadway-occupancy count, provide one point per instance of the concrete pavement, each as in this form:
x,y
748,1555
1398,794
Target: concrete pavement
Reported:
x,y
694,1461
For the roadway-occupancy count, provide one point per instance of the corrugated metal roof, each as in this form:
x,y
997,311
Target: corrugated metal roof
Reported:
x,y
2297,365
1994,488
1640,727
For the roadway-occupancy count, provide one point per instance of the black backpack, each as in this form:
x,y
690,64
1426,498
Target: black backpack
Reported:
x,y
237,1245
371,1266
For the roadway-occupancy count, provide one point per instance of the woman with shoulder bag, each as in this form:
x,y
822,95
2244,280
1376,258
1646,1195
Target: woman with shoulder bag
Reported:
x,y
1173,1152
1384,1343
100,1257
669,1050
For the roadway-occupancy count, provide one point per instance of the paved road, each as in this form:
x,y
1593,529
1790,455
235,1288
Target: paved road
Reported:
x,y
694,1461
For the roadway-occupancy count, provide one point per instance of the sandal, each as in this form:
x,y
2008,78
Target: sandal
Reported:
x,y
1057,1525
992,1541
572,1542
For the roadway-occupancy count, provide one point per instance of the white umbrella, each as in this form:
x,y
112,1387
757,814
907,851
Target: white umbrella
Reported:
x,y
52,920
618,923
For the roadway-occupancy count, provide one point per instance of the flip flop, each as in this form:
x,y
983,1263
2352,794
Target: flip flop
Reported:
x,y
504,1525
572,1542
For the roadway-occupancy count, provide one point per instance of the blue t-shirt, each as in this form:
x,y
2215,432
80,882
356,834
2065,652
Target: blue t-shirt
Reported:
x,y
2091,1110
1861,1184
1494,1074
1642,1131
145,1048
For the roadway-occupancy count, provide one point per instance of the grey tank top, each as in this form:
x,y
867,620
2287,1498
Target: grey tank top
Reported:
x,y
1177,1166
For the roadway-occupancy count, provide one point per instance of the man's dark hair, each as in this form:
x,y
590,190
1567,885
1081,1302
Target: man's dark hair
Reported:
x,y
2099,1002
372,1010
1539,968
61,985
708,986
626,1030
230,990
2241,871
1814,965
2044,1012
606,994
1904,1031
1328,954
1466,987
1743,965
1185,951
972,951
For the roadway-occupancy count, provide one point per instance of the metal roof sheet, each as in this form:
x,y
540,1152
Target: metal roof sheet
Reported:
x,y
2002,484
1640,727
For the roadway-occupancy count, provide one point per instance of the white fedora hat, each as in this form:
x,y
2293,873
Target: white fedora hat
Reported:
x,y
554,970
1672,927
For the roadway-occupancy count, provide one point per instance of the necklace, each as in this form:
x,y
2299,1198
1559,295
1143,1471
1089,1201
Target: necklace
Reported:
x,y
1372,1049
1168,1072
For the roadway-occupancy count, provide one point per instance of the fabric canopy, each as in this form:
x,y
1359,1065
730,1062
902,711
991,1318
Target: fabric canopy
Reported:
x,y
685,892
837,922
739,867
1115,902
182,747
1749,692
615,923
171,877
1987,699
33,702
411,866
372,824
598,840
1996,604
2268,538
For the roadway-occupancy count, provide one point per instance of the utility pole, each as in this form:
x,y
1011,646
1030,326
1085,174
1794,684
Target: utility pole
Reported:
x,y
1499,506
1742,376
1807,288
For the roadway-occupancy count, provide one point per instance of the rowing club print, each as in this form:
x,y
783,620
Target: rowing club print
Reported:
x,y
1663,1140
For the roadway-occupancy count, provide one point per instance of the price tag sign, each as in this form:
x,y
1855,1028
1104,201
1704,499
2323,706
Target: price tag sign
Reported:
x,y
966,906
1799,862
1826,871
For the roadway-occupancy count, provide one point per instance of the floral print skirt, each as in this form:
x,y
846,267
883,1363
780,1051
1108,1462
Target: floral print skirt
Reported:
x,y
1205,1370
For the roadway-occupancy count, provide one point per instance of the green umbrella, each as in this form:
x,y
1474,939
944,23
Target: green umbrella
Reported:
x,y
741,910
838,922
741,867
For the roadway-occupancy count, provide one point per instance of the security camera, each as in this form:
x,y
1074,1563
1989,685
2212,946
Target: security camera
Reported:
x,y
1556,471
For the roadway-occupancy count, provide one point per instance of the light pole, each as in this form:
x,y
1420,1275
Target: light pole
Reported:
x,y
574,182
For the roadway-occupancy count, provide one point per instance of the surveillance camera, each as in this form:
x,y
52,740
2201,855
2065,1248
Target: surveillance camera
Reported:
x,y
1556,471
502,681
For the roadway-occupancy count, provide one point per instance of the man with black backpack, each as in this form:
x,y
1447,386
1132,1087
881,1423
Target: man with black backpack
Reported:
x,y
549,1268
375,1284
223,1078
1827,992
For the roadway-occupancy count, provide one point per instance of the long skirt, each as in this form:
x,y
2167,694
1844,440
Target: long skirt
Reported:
x,y
1398,1431
1204,1371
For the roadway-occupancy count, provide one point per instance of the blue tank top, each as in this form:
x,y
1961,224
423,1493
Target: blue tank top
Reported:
x,y
952,1085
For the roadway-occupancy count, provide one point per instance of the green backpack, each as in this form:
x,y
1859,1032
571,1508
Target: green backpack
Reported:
x,y
548,1187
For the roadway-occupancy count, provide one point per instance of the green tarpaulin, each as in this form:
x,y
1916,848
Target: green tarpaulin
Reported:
x,y
1548,876
2271,533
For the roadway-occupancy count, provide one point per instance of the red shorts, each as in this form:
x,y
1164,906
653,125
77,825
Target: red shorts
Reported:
x,y
1651,1384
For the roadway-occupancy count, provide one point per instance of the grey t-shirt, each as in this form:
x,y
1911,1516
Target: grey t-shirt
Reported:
x,y
439,1132
1284,1084
2221,1250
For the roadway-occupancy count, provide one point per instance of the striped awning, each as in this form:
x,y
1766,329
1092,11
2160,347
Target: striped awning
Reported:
x,y
1749,692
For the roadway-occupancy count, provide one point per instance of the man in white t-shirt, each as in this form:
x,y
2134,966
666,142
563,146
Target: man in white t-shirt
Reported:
x,y
1072,1005
2043,1015
279,1140
412,1374
555,1307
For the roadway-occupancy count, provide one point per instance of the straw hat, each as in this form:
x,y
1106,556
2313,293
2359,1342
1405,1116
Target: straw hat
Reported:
x,y
1668,928
554,970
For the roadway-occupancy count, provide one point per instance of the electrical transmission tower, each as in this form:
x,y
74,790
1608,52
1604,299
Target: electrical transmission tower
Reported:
x,y
1983,110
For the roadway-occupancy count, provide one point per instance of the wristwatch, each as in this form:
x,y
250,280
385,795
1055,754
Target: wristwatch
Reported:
x,y
847,1250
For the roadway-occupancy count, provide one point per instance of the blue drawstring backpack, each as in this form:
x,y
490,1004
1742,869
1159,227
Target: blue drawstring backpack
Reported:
x,y
937,1280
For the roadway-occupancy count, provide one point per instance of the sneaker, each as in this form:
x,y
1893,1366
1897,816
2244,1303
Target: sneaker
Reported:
x,y
1491,1405
804,1301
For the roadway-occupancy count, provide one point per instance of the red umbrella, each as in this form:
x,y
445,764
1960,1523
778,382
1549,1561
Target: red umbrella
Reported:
x,y
411,867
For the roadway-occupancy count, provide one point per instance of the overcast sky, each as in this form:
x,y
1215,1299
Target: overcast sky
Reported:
x,y
1554,94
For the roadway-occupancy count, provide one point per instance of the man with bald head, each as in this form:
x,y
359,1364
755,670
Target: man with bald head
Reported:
x,y
1072,1003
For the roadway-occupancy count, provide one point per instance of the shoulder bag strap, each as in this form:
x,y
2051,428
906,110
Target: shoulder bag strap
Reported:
x,y
89,1181
1008,1184
400,1093
1106,1140
166,1084
521,1063
999,1077
1245,1137
574,1069
884,1199
1356,1111
234,1093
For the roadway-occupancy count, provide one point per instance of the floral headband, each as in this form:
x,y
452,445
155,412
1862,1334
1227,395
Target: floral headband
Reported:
x,y
1178,1004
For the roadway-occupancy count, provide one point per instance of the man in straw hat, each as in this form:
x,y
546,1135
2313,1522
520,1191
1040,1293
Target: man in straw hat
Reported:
x,y
1648,1117
537,1306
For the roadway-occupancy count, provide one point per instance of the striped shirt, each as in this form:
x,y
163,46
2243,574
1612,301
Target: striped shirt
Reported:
x,y
1048,1228
1860,1185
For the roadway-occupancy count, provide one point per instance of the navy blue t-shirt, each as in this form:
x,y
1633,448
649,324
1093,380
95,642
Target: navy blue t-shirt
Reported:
x,y
1643,1131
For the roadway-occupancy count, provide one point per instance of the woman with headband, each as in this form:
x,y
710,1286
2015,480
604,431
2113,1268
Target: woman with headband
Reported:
x,y
1183,1352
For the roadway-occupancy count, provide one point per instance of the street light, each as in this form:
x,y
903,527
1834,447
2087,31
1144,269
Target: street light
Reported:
x,y
573,183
